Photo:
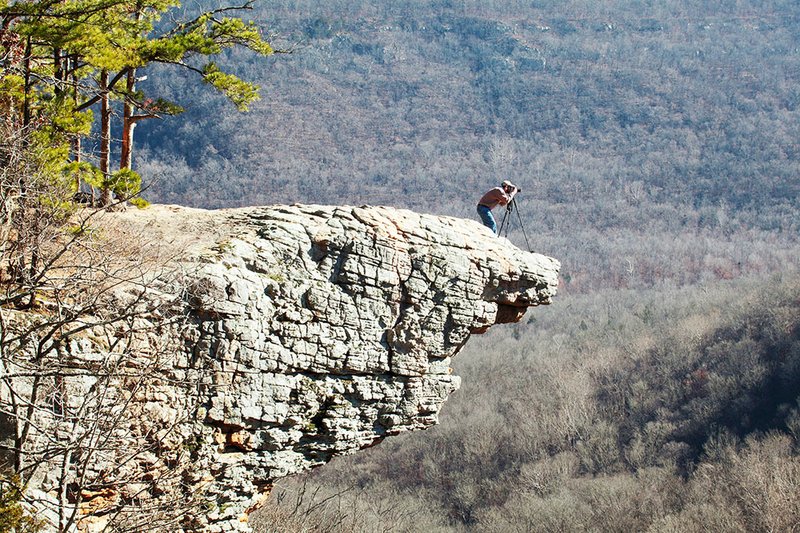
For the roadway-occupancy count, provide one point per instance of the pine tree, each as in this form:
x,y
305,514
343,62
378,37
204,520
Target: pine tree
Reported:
x,y
83,52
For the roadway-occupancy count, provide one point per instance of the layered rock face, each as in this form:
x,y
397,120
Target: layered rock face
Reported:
x,y
314,331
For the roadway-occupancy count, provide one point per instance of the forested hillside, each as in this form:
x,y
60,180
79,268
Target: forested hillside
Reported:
x,y
656,146
652,143
657,410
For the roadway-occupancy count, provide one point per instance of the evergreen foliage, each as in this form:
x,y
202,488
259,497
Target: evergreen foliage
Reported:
x,y
62,58
12,517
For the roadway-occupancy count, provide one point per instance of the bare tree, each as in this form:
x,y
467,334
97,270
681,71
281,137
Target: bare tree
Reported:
x,y
93,413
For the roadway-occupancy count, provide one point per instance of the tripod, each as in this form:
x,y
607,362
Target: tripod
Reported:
x,y
506,223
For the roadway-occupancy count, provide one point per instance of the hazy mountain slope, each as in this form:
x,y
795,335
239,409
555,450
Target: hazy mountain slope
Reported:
x,y
677,124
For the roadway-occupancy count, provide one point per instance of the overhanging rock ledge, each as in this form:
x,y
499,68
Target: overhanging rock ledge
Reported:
x,y
315,331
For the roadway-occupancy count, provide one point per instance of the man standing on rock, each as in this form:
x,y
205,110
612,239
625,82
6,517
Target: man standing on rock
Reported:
x,y
501,195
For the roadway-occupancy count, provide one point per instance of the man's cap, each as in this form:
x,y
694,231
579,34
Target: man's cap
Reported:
x,y
507,183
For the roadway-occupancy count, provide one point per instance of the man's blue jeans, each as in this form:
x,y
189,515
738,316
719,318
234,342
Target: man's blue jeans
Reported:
x,y
487,218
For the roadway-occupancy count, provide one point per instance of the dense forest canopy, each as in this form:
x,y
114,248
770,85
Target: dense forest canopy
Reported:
x,y
675,122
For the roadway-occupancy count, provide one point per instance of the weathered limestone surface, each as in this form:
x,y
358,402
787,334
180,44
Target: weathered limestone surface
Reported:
x,y
315,331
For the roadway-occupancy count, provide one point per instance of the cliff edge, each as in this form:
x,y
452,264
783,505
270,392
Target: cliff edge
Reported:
x,y
290,335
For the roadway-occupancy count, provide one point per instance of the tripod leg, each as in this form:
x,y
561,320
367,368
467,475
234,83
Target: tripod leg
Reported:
x,y
522,226
503,224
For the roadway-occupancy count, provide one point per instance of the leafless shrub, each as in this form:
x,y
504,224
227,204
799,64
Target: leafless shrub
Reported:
x,y
298,505
758,484
88,313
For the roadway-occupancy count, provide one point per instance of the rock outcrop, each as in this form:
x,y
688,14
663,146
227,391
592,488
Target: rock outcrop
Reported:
x,y
300,333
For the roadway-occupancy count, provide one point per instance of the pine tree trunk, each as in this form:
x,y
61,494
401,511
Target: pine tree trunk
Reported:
x,y
128,124
24,244
59,75
26,104
105,140
72,62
